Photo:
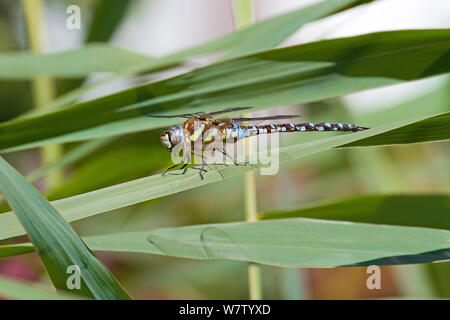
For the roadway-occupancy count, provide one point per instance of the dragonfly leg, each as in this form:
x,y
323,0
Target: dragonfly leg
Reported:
x,y
170,168
196,168
202,168
230,157
222,150
184,167
183,160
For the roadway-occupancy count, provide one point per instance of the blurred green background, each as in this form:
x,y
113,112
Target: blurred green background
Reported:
x,y
417,168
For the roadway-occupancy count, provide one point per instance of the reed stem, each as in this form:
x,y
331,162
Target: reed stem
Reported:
x,y
244,16
43,86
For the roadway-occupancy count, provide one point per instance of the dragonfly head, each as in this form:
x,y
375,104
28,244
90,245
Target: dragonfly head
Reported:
x,y
172,136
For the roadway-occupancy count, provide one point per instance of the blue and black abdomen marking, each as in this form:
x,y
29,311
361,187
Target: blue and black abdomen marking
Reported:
x,y
237,132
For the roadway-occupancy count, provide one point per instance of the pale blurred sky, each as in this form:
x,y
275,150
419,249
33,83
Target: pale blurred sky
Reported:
x,y
160,27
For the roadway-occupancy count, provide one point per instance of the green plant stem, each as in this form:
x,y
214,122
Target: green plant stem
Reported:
x,y
243,13
243,17
43,86
254,270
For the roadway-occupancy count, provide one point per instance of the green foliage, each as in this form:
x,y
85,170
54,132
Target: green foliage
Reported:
x,y
384,228
56,242
296,74
69,64
26,291
429,211
296,242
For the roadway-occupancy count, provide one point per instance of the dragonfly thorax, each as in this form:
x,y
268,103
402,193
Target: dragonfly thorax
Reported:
x,y
172,136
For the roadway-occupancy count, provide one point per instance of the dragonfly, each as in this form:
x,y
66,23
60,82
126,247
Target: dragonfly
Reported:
x,y
204,129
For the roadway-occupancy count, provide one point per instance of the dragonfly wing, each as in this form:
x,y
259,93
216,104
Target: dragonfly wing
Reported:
x,y
185,115
199,114
226,111
237,120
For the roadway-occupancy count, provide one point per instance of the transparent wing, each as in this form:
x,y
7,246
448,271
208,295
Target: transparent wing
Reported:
x,y
276,117
225,111
185,115
199,114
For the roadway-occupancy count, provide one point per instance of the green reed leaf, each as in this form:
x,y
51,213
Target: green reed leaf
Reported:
x,y
20,290
156,186
56,242
415,210
296,242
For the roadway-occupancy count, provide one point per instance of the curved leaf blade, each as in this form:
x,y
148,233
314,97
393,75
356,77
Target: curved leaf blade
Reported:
x,y
421,210
295,242
56,242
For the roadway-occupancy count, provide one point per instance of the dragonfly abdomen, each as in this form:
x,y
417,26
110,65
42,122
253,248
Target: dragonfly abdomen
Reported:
x,y
239,132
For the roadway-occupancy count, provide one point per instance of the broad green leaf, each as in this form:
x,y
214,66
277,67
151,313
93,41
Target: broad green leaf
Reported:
x,y
297,242
55,241
303,73
20,290
429,211
294,242
69,64
140,190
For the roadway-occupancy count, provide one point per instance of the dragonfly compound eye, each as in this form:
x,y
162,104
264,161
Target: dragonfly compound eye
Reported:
x,y
175,135
165,140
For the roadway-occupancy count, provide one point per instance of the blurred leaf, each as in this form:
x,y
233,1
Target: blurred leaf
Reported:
x,y
17,94
104,58
69,157
293,284
278,27
432,102
156,186
57,243
429,211
297,242
20,290
303,73
243,13
440,273
269,33
107,16
134,162
14,250
72,63
432,129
